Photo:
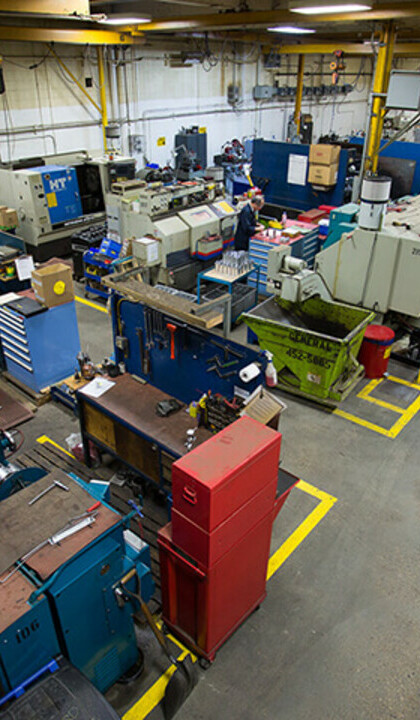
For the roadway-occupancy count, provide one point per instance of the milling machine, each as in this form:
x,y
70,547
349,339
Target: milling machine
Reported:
x,y
377,265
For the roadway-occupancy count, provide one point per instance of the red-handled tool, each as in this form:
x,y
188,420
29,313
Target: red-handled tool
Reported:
x,y
94,507
172,330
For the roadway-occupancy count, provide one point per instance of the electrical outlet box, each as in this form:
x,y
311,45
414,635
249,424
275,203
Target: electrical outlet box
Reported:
x,y
136,144
264,92
121,342
233,94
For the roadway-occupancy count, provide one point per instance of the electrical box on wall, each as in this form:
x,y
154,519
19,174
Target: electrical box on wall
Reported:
x,y
233,94
135,144
264,92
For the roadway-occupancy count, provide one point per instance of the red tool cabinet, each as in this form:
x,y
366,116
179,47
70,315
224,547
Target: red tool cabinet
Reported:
x,y
214,554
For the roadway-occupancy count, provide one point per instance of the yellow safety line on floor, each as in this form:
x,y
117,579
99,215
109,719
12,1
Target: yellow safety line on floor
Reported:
x,y
406,414
91,304
45,439
305,528
153,696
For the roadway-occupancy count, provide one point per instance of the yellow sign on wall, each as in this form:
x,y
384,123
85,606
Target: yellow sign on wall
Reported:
x,y
202,130
161,141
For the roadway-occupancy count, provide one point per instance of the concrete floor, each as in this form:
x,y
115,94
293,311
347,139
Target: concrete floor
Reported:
x,y
338,637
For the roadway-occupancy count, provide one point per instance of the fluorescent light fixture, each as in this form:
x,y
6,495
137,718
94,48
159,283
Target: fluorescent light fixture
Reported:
x,y
309,9
125,20
291,30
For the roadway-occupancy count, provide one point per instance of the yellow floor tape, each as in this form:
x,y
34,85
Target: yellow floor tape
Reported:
x,y
153,696
95,306
406,414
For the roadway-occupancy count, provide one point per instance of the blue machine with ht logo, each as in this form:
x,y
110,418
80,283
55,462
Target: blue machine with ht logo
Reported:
x,y
61,192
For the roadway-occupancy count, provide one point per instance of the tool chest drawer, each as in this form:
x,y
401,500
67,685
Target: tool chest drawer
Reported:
x,y
210,483
41,349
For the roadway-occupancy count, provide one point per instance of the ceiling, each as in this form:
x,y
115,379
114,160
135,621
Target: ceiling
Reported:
x,y
241,20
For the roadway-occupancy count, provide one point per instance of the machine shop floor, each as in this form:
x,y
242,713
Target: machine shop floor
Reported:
x,y
338,636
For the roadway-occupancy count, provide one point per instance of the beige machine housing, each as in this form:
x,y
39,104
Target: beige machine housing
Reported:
x,y
377,270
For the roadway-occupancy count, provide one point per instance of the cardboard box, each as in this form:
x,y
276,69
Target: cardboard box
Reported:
x,y
323,174
8,217
324,154
53,284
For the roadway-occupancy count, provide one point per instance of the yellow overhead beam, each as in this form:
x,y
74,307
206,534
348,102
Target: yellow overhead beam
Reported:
x,y
47,7
70,36
381,12
324,48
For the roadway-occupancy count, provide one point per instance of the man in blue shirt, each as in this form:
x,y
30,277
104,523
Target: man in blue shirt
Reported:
x,y
247,223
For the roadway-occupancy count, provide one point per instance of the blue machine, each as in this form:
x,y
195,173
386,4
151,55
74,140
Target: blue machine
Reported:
x,y
41,349
12,478
65,597
61,192
270,165
399,150
342,220
202,359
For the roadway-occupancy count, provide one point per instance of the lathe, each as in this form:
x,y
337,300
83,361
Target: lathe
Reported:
x,y
59,194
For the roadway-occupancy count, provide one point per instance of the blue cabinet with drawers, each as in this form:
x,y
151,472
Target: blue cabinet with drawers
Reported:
x,y
40,350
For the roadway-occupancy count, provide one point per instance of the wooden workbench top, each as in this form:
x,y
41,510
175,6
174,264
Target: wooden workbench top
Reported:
x,y
135,403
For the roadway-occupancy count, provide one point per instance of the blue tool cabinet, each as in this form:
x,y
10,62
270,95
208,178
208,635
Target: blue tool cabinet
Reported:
x,y
42,349
305,247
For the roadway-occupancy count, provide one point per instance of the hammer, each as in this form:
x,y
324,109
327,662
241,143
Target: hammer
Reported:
x,y
172,330
56,483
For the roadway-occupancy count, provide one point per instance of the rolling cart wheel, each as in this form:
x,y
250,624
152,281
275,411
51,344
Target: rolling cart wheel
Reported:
x,y
165,629
86,295
204,663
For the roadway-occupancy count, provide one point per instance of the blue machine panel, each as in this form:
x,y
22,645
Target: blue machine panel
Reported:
x,y
99,636
30,640
62,192
400,151
271,161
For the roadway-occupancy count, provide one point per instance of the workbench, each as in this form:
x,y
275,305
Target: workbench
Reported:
x,y
124,423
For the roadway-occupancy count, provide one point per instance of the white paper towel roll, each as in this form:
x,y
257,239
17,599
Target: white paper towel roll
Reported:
x,y
249,372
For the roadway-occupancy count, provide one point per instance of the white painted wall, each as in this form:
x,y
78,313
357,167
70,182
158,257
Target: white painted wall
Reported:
x,y
161,99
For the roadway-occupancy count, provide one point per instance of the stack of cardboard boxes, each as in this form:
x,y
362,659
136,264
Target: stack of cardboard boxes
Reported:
x,y
323,164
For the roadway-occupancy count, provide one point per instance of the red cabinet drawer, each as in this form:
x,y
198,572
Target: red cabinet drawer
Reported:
x,y
210,483
207,548
203,609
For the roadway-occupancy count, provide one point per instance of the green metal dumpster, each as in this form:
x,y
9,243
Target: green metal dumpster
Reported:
x,y
314,344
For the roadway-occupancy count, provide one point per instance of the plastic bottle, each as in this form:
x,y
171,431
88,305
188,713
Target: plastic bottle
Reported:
x,y
270,371
284,218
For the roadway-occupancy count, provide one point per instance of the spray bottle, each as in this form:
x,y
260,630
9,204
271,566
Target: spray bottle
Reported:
x,y
270,371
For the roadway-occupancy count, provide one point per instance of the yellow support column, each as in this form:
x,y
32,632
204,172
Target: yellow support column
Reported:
x,y
102,90
380,87
299,92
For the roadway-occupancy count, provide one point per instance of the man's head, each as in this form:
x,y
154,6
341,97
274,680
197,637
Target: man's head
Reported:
x,y
257,202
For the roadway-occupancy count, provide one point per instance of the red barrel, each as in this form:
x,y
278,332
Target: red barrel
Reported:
x,y
376,349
